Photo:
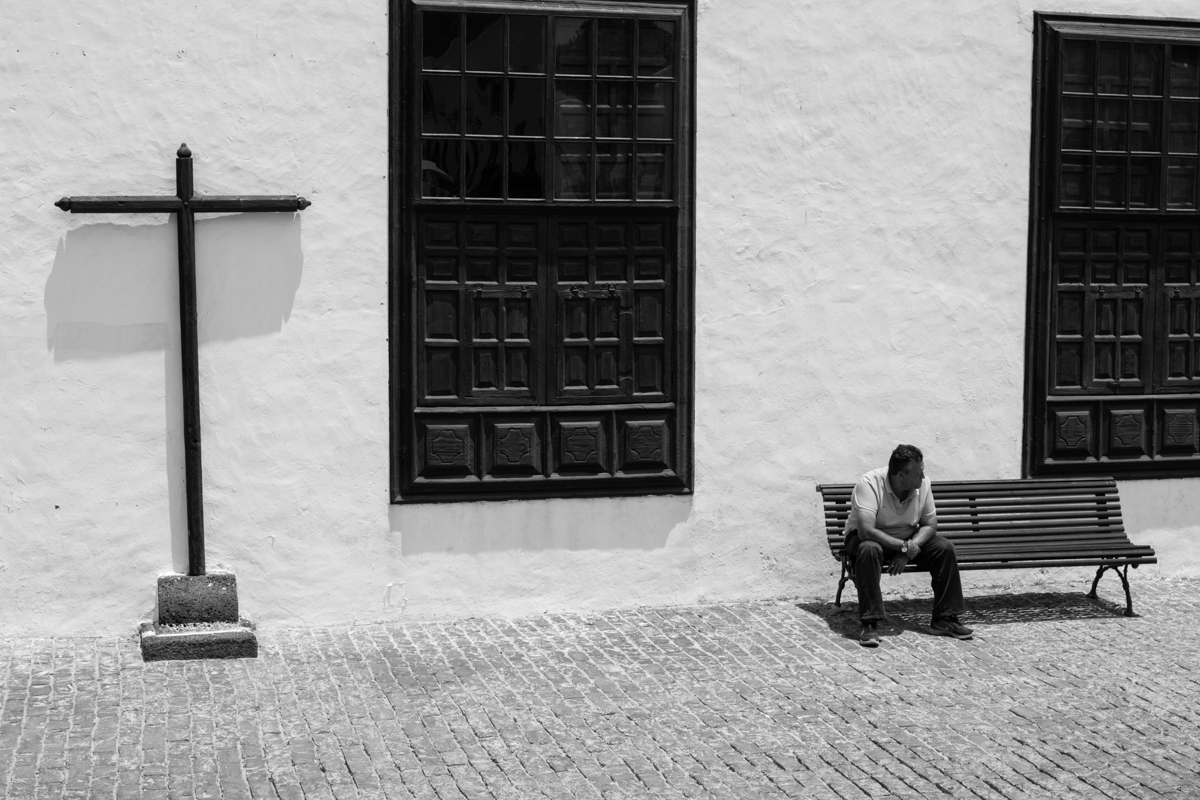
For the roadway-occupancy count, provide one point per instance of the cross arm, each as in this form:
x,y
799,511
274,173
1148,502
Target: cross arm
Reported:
x,y
248,202
120,205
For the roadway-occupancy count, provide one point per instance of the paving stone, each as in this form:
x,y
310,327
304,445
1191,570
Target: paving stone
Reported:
x,y
1057,696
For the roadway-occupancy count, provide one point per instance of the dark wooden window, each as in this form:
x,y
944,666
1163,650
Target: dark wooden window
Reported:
x,y
1114,342
542,249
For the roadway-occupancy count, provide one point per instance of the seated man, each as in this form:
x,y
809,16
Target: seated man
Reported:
x,y
892,518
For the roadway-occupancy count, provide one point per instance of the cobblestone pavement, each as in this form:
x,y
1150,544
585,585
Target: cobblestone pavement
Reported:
x,y
1057,696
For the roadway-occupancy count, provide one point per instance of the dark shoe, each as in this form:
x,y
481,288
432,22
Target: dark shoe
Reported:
x,y
950,626
869,637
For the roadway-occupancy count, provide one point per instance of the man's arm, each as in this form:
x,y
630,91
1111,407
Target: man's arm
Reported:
x,y
867,530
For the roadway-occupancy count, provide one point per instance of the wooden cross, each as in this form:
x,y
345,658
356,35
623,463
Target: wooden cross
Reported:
x,y
185,206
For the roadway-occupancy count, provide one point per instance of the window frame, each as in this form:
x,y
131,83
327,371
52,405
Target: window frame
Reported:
x,y
406,203
1038,447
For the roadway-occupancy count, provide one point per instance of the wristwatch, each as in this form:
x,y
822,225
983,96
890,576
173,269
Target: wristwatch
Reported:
x,y
905,548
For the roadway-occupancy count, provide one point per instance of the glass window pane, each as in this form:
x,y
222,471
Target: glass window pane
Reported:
x,y
656,47
1185,71
526,162
1144,123
654,172
1143,182
1110,182
612,171
485,42
614,47
573,46
1078,63
485,106
440,103
572,172
527,106
1111,120
441,41
1113,58
614,101
1182,128
1147,69
1075,182
484,175
1077,123
439,168
1181,182
572,108
527,44
654,110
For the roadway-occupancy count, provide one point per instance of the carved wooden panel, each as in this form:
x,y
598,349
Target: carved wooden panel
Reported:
x,y
581,445
1178,435
447,450
645,443
515,446
1073,433
1127,432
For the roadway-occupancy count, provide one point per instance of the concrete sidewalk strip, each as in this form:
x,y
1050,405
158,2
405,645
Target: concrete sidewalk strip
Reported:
x,y
1057,696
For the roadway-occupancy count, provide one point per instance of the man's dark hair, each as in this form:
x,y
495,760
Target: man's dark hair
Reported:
x,y
902,456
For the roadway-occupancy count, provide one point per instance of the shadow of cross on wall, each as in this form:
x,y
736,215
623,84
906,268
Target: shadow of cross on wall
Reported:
x,y
114,291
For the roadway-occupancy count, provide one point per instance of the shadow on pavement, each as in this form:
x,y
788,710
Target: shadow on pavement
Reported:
x,y
912,614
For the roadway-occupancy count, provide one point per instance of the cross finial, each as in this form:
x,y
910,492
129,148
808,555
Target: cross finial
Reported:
x,y
183,151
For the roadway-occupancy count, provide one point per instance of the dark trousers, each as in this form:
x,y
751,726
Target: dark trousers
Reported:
x,y
868,559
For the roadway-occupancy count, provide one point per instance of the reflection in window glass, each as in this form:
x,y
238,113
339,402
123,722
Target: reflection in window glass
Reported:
x,y
439,168
1113,68
484,106
1147,69
1077,123
526,106
485,42
572,46
440,103
441,41
654,110
1078,63
1144,122
572,172
527,44
1185,71
613,113
612,171
653,172
1181,136
484,174
614,47
656,48
572,108
525,165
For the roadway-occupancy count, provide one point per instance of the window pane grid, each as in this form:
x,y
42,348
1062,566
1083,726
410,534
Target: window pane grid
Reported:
x,y
501,90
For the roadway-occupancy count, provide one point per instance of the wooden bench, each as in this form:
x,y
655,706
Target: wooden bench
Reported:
x,y
1016,524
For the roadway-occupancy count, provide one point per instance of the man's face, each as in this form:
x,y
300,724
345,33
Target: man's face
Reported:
x,y
911,476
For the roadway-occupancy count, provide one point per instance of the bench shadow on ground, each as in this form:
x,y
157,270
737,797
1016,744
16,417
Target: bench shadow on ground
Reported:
x,y
912,614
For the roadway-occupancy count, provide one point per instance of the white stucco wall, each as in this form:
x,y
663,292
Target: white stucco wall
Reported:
x,y
863,172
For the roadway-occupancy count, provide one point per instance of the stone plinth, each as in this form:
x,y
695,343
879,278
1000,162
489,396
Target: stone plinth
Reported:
x,y
186,599
197,618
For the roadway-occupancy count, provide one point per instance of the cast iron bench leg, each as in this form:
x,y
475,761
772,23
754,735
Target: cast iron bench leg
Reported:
x,y
1123,574
842,582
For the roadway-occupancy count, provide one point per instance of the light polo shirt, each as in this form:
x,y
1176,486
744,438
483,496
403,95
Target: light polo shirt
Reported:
x,y
893,516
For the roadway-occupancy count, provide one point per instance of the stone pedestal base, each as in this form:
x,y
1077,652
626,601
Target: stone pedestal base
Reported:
x,y
197,618
211,640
